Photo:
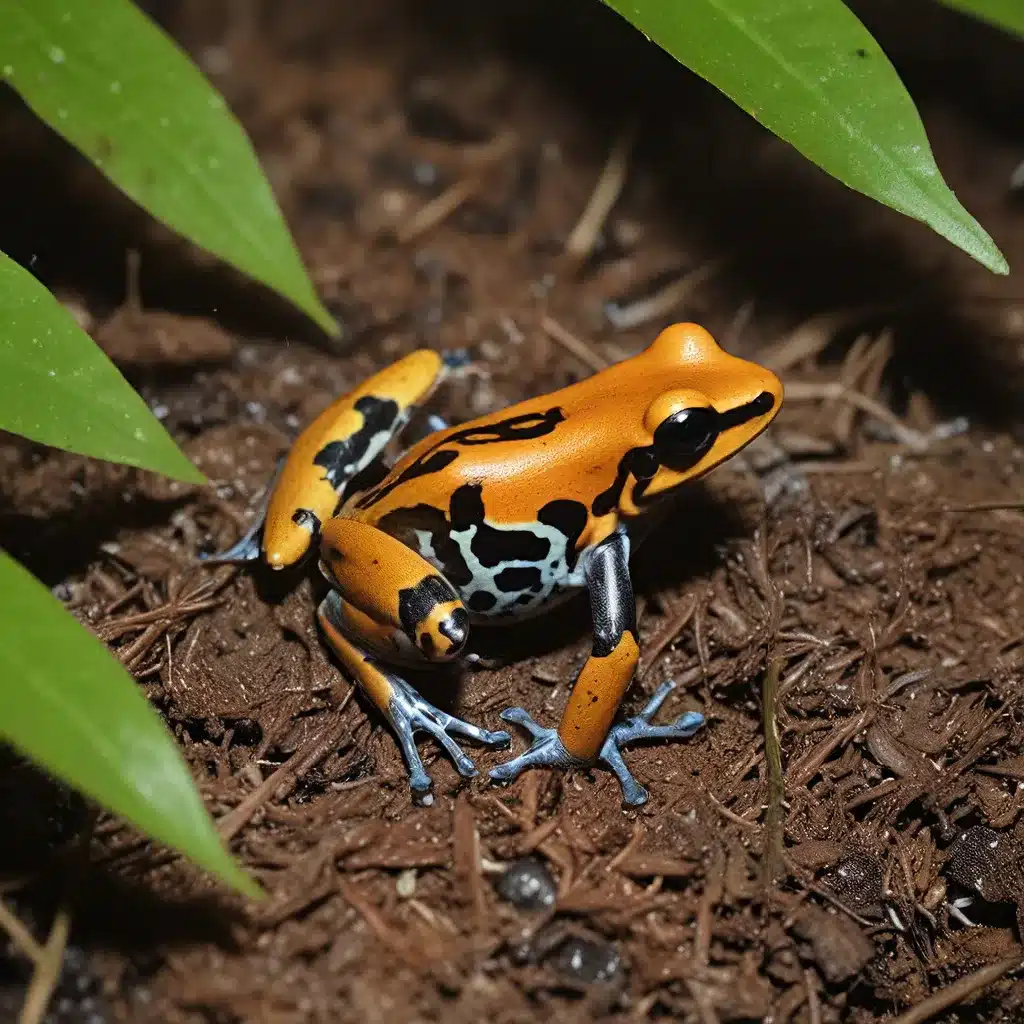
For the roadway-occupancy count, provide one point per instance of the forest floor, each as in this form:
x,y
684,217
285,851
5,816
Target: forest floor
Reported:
x,y
432,162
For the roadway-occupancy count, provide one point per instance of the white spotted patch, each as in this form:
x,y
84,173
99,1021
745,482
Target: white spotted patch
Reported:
x,y
484,598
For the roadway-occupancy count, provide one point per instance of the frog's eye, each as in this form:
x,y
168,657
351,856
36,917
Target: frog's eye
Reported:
x,y
686,437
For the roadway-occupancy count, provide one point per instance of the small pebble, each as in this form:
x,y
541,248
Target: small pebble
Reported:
x,y
405,886
528,884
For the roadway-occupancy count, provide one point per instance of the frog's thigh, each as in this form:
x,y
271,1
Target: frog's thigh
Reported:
x,y
391,599
606,676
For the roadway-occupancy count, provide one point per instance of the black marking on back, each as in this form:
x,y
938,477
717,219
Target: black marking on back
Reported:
x,y
422,467
481,601
568,517
402,523
341,460
524,427
491,546
466,507
416,603
519,577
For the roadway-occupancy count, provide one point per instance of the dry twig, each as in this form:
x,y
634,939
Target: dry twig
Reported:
x,y
580,349
605,195
772,864
441,207
20,936
958,991
663,301
47,971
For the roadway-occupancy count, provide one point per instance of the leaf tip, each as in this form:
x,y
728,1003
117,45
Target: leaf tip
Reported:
x,y
244,883
326,321
191,475
179,469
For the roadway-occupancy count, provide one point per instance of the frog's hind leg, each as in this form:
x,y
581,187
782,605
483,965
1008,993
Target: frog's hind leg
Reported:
x,y
405,710
389,605
343,441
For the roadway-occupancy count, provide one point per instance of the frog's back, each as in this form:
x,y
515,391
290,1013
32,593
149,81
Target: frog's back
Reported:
x,y
483,502
508,505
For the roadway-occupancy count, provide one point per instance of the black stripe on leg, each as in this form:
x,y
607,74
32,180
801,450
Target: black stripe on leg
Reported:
x,y
612,606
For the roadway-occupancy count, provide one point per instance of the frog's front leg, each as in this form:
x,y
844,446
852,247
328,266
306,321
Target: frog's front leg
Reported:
x,y
389,605
587,733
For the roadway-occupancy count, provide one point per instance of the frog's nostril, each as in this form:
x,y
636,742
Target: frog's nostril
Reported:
x,y
455,629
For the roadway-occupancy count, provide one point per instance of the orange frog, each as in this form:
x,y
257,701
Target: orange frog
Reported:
x,y
499,519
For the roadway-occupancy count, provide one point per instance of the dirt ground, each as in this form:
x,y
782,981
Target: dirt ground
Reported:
x,y
853,586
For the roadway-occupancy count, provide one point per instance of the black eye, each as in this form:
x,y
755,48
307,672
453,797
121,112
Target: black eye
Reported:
x,y
686,437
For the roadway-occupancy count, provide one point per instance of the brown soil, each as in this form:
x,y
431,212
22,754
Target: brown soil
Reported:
x,y
863,553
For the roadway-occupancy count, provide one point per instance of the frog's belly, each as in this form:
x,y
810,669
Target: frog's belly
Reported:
x,y
515,571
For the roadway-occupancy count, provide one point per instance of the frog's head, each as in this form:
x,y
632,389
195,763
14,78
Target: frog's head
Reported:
x,y
716,406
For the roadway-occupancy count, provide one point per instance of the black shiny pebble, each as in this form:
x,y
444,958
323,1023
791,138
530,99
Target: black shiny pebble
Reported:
x,y
528,885
585,961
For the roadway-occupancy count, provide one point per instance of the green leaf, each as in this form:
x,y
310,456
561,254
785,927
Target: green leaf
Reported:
x,y
811,72
1005,14
116,87
67,703
57,387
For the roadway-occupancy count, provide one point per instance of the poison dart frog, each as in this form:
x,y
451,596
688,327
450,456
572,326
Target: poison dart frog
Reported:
x,y
499,519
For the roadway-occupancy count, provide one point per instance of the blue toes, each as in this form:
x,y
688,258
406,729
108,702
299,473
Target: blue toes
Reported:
x,y
247,548
639,728
521,717
409,714
546,751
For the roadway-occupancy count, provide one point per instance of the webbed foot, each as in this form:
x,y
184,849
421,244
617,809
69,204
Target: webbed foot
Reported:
x,y
409,713
547,749
639,728
247,548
